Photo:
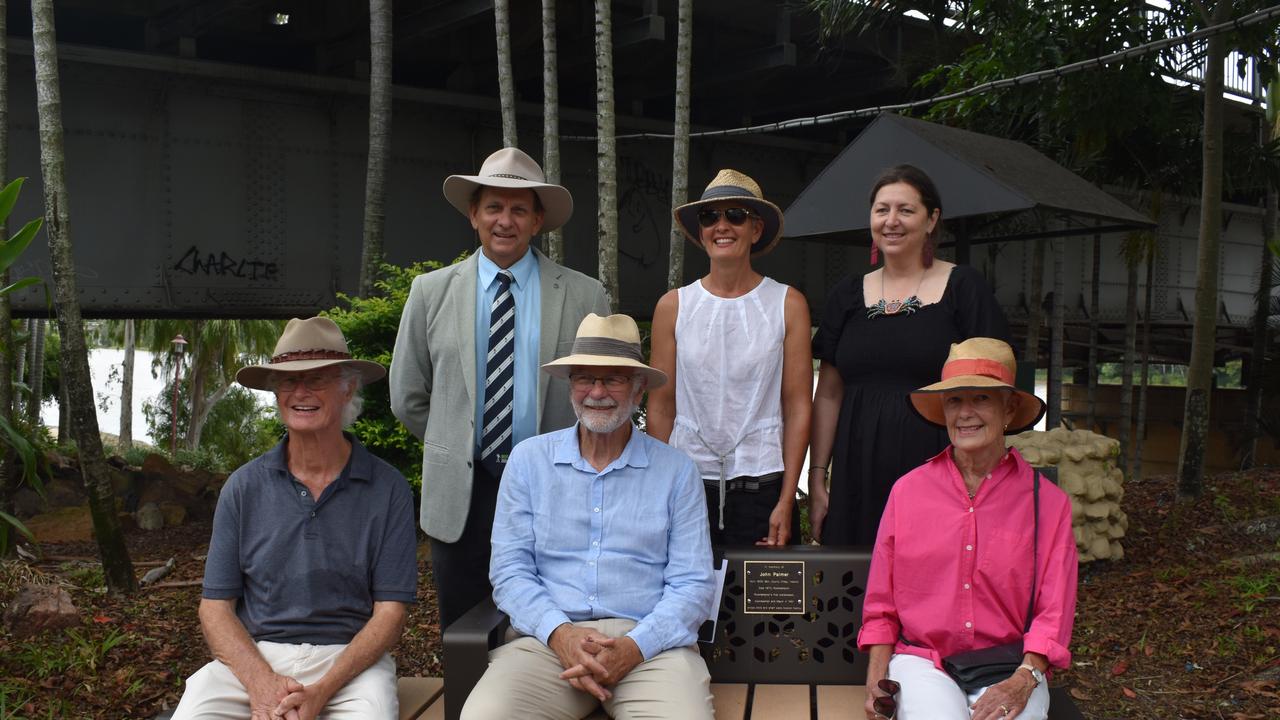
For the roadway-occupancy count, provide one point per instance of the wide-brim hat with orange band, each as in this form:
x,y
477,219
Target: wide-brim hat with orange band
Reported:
x,y
729,184
307,345
974,364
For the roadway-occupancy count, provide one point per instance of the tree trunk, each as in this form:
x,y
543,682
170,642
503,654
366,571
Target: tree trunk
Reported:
x,y
1261,333
1057,324
8,475
198,421
551,118
606,156
64,415
1093,333
20,360
506,82
379,141
74,356
1140,426
35,367
1195,419
198,373
1035,305
126,388
680,143
1130,344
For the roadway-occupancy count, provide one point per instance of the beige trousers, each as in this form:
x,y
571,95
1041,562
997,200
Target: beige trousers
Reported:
x,y
214,693
523,682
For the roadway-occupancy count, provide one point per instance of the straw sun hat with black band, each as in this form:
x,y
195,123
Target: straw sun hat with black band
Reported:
x,y
612,341
975,364
730,184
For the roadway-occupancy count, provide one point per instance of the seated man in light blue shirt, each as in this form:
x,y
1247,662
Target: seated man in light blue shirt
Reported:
x,y
601,555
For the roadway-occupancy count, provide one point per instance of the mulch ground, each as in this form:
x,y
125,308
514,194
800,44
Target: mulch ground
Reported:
x,y
1186,626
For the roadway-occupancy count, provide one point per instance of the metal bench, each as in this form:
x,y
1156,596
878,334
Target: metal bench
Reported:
x,y
764,665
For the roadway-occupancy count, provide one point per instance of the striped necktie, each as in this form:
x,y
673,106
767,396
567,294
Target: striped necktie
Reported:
x,y
499,383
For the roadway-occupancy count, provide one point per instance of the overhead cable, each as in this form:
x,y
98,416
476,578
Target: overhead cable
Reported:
x,y
1240,23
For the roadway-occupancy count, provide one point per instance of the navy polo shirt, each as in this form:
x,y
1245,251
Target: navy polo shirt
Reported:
x,y
308,570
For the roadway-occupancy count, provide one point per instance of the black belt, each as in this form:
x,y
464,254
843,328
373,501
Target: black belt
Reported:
x,y
745,484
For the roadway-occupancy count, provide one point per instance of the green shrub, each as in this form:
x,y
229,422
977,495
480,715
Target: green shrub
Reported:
x,y
370,325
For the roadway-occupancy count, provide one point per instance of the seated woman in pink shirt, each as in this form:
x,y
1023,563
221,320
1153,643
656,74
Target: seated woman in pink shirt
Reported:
x,y
974,551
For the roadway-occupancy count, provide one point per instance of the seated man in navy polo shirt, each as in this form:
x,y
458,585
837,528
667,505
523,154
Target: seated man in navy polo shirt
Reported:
x,y
312,561
601,555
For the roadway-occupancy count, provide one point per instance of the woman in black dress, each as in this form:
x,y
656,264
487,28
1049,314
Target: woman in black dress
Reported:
x,y
883,335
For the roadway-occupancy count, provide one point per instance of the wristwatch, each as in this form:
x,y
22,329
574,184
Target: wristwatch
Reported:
x,y
1036,673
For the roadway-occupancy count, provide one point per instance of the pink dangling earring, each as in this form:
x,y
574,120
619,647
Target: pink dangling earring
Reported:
x,y
875,252
928,253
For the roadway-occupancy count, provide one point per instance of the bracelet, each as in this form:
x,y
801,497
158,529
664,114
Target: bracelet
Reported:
x,y
823,468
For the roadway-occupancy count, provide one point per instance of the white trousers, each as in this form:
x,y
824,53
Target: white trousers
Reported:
x,y
214,693
523,682
930,694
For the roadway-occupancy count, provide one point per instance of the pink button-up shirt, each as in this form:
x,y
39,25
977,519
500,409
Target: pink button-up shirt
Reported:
x,y
954,574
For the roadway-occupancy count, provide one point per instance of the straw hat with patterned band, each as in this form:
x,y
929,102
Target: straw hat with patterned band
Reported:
x,y
733,185
307,345
512,168
612,341
974,364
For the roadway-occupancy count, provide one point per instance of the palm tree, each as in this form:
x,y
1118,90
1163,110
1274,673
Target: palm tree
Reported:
x,y
1093,332
1195,420
7,483
551,118
1269,132
125,441
117,569
216,349
506,83
606,156
680,143
35,371
1135,466
379,140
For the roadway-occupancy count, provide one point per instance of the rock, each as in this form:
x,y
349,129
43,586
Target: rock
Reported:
x,y
149,517
71,524
64,492
38,608
155,464
174,513
27,503
1100,548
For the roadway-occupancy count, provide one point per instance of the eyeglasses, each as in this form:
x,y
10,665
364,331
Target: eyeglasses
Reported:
x,y
583,381
886,705
289,383
735,216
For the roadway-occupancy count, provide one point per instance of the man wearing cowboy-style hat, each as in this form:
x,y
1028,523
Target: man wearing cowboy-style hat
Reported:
x,y
464,373
312,558
601,555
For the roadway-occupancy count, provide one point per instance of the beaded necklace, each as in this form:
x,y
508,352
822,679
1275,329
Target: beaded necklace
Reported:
x,y
895,307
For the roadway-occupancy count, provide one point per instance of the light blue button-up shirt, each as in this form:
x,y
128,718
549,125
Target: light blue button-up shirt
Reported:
x,y
527,292
573,544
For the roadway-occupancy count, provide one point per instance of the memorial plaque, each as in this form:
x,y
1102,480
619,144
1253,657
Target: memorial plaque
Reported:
x,y
774,587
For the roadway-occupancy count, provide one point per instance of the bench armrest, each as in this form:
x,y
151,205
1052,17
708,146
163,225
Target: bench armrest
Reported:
x,y
467,643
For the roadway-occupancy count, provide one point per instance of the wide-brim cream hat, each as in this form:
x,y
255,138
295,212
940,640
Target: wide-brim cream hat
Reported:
x,y
730,184
306,345
973,364
612,341
512,168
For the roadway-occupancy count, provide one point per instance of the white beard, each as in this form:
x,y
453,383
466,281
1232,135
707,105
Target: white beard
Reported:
x,y
596,420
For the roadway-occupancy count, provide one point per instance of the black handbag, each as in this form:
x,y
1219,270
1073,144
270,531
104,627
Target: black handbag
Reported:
x,y
975,669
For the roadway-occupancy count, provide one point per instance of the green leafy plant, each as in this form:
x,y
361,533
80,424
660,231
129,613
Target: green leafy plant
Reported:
x,y
370,325
10,251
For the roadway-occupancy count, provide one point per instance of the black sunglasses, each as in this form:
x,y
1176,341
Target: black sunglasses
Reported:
x,y
885,705
735,216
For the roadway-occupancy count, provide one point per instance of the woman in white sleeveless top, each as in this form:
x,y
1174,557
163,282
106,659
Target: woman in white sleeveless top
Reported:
x,y
736,344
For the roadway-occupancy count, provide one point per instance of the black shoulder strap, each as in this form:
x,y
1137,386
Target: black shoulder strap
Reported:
x,y
1035,547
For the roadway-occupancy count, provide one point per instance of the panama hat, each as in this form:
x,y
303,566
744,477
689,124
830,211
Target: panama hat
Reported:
x,y
306,345
730,184
512,168
612,341
973,364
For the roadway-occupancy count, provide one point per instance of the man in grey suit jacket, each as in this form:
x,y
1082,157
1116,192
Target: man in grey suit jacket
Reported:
x,y
446,380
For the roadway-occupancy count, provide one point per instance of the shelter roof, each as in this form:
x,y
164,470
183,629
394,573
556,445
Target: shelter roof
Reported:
x,y
1002,189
